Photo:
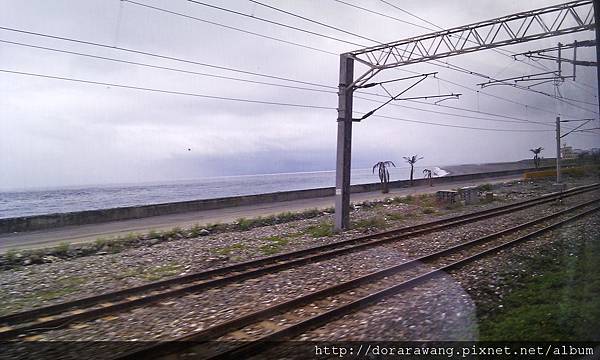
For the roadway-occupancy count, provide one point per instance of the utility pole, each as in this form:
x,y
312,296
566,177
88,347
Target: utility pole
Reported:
x,y
597,22
558,149
344,144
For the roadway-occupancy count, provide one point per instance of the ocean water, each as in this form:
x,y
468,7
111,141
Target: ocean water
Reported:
x,y
60,200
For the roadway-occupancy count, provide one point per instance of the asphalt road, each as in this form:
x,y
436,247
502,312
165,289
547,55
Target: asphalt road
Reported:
x,y
87,233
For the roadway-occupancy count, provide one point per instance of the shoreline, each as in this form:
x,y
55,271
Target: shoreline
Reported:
x,y
35,203
119,214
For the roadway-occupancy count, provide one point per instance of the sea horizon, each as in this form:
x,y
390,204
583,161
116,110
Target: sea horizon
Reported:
x,y
62,199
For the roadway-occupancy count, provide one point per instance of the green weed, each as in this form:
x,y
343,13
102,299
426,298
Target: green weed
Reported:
x,y
322,229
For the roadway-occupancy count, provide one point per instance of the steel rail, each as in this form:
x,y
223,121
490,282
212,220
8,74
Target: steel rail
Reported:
x,y
237,273
267,341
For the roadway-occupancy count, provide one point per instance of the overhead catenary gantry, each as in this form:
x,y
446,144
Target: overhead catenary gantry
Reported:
x,y
571,17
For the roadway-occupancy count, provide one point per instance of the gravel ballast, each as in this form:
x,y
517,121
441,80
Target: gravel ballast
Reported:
x,y
444,309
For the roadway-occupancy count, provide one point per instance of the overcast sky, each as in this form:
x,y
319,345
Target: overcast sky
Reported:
x,y
55,132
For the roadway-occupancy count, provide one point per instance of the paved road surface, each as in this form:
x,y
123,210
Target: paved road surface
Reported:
x,y
86,233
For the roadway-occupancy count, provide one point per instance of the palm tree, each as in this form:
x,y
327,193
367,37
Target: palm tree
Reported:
x,y
412,160
427,173
384,175
536,158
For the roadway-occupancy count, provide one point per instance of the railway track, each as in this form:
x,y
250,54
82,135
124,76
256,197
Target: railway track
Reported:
x,y
63,314
261,330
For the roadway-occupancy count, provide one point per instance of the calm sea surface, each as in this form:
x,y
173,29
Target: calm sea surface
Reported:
x,y
37,202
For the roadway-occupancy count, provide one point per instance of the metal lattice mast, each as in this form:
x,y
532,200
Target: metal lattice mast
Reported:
x,y
571,17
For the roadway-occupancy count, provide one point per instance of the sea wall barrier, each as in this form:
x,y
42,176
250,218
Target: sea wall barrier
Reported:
x,y
41,222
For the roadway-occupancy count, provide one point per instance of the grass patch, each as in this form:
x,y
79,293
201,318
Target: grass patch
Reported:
x,y
151,273
428,210
276,243
244,224
172,232
395,215
375,222
408,199
153,234
62,248
560,304
11,255
322,229
131,237
161,271
61,288
427,200
227,250
195,230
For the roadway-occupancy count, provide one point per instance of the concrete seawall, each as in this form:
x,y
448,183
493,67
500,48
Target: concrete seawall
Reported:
x,y
41,222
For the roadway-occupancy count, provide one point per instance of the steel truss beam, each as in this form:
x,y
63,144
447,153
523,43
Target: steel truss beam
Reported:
x,y
550,21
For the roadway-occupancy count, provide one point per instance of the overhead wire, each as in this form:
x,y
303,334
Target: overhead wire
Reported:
x,y
230,69
172,92
310,20
163,57
376,41
320,23
500,51
213,66
296,105
160,56
164,67
504,52
258,18
281,24
236,28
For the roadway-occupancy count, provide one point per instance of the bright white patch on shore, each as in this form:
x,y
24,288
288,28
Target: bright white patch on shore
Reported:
x,y
438,172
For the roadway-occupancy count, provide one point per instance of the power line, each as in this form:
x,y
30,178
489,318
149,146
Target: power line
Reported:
x,y
469,72
458,115
516,102
220,67
484,113
265,83
166,91
231,27
384,15
250,16
320,23
264,20
499,51
90,82
165,57
456,126
163,67
311,20
503,52
159,56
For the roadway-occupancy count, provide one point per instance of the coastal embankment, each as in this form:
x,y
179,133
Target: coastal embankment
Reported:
x,y
49,221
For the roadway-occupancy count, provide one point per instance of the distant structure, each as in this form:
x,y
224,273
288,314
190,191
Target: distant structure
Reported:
x,y
568,153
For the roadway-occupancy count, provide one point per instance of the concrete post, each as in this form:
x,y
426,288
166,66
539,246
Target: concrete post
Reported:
x,y
558,149
344,145
597,22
